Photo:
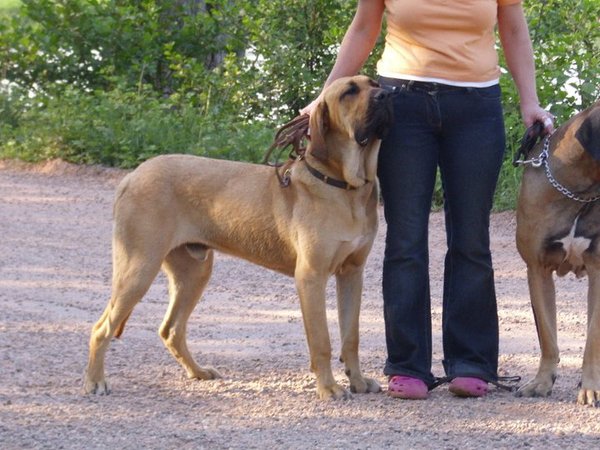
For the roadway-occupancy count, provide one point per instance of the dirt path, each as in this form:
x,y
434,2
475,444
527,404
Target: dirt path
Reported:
x,y
55,225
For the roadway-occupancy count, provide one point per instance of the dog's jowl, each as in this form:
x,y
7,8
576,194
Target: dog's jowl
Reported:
x,y
173,212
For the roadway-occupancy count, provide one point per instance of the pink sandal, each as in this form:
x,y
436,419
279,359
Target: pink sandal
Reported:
x,y
468,387
409,388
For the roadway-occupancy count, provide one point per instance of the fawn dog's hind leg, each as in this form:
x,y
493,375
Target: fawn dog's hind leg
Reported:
x,y
132,276
188,269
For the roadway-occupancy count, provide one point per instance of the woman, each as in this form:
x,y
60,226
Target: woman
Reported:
x,y
440,60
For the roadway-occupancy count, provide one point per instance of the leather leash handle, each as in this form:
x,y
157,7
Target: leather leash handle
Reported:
x,y
531,137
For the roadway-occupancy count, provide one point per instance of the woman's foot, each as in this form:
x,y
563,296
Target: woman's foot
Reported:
x,y
409,388
468,387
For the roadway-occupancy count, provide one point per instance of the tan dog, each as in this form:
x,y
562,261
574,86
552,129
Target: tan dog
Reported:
x,y
175,211
560,231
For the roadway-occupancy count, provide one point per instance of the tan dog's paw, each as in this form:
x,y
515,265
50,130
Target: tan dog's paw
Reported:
x,y
96,387
538,387
204,373
365,385
333,392
589,397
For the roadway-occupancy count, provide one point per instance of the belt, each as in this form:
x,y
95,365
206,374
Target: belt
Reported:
x,y
426,86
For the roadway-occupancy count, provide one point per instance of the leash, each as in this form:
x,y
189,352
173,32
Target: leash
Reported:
x,y
529,140
498,383
293,133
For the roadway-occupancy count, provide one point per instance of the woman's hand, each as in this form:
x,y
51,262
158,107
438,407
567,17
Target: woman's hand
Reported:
x,y
308,109
533,112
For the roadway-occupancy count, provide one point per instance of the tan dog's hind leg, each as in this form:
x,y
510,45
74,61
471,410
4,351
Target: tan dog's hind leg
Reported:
x,y
543,302
589,394
132,276
94,382
311,286
349,292
188,273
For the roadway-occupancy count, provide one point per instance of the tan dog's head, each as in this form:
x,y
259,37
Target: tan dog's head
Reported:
x,y
588,134
347,126
577,143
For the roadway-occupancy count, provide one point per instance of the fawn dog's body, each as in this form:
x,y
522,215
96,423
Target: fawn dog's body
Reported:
x,y
175,211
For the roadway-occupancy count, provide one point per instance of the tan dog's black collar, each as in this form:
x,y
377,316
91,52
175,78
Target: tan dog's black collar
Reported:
x,y
330,181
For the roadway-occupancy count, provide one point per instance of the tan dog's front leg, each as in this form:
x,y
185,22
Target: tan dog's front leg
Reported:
x,y
349,293
589,394
543,302
311,289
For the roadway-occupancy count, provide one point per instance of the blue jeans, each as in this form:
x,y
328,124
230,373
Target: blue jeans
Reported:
x,y
461,131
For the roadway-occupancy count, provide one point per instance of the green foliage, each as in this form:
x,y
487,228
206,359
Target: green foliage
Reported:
x,y
121,128
9,6
119,81
86,42
298,48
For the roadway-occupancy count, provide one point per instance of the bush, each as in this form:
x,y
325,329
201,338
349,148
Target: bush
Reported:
x,y
120,128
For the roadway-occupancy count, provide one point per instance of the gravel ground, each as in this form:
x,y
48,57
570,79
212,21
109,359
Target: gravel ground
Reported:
x,y
55,222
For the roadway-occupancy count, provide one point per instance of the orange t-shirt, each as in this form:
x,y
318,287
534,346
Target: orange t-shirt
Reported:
x,y
442,40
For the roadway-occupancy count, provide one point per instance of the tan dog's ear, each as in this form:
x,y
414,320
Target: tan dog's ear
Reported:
x,y
588,134
319,123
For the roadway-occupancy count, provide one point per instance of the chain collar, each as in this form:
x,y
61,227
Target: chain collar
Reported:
x,y
539,160
542,159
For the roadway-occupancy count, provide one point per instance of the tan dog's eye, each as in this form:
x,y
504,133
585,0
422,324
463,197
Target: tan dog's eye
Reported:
x,y
353,89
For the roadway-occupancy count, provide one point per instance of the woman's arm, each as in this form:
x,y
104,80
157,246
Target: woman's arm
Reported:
x,y
357,44
514,36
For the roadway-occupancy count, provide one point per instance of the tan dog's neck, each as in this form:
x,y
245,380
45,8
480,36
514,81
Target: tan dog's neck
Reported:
x,y
329,166
574,166
352,163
